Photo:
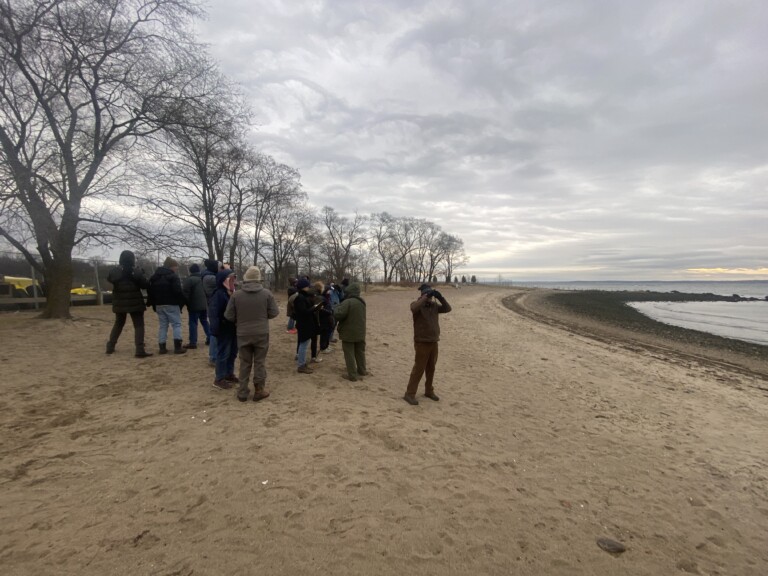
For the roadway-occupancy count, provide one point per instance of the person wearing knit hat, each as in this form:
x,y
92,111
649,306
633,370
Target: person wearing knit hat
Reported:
x,y
252,274
250,309
197,305
167,298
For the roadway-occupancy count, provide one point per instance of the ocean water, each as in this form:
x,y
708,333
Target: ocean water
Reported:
x,y
740,320
745,288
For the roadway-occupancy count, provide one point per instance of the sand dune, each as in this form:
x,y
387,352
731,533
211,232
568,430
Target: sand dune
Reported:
x,y
544,441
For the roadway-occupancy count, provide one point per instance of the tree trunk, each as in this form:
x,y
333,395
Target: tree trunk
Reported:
x,y
58,278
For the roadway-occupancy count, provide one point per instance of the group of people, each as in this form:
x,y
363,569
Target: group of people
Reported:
x,y
235,321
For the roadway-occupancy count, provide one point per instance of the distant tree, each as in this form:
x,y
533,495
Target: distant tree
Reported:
x,y
473,279
455,279
340,236
463,279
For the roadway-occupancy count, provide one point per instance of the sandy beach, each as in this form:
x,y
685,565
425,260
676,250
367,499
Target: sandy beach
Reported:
x,y
545,440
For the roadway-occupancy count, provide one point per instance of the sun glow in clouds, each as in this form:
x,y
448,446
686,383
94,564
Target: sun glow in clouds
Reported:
x,y
730,271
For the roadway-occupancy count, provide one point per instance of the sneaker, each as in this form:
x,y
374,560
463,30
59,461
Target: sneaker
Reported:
x,y
304,369
232,378
411,400
260,395
211,363
327,350
316,360
333,340
293,331
222,384
432,396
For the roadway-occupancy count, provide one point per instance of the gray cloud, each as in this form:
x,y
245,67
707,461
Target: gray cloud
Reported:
x,y
572,139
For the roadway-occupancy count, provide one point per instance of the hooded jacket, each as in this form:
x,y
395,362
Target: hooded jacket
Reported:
x,y
208,276
165,288
351,315
194,293
217,305
304,313
127,282
251,308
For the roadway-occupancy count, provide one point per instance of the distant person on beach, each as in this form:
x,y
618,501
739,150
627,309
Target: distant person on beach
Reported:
x,y
351,315
426,335
127,282
167,299
224,330
197,305
251,308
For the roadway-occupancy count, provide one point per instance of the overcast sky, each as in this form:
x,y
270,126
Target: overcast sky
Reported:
x,y
570,140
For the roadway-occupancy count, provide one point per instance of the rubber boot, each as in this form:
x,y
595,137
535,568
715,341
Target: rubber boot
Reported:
x,y
163,349
141,352
110,347
178,348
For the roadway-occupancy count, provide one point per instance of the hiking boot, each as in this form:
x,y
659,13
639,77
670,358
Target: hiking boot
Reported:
x,y
260,395
348,377
141,352
178,348
304,369
190,346
211,363
222,384
207,341
364,373
242,399
110,347
411,399
432,396
232,378
163,348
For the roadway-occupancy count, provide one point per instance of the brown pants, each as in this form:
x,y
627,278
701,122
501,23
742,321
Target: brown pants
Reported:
x,y
426,359
253,352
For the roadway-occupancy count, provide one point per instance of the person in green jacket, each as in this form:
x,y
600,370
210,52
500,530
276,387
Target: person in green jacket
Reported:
x,y
351,317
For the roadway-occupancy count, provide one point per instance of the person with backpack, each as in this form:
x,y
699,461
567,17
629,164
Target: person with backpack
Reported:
x,y
167,299
197,305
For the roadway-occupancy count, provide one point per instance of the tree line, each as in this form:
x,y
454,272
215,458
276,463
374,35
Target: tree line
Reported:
x,y
117,128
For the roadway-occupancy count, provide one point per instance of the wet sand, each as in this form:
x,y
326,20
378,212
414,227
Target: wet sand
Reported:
x,y
549,435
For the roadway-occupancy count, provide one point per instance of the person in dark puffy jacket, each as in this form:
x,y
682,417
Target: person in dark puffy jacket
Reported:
x,y
197,305
127,282
167,298
224,330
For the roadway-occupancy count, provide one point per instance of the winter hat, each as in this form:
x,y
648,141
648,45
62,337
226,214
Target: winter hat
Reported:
x,y
170,263
253,273
194,269
303,283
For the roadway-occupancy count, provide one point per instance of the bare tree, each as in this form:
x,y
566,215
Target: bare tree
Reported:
x,y
82,80
286,229
342,235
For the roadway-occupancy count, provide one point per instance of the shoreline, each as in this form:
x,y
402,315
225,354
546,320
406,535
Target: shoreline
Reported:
x,y
604,315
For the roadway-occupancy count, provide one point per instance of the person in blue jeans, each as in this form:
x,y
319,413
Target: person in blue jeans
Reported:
x,y
167,299
197,305
224,330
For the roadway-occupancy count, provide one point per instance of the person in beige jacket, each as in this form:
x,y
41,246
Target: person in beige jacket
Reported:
x,y
251,308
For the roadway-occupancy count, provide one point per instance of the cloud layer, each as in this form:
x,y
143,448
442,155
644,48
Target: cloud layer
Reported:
x,y
571,140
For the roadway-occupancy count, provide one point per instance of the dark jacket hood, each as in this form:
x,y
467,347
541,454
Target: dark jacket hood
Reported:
x,y
211,265
127,259
353,290
221,276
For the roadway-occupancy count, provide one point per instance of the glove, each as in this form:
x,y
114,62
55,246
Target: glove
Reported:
x,y
437,294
